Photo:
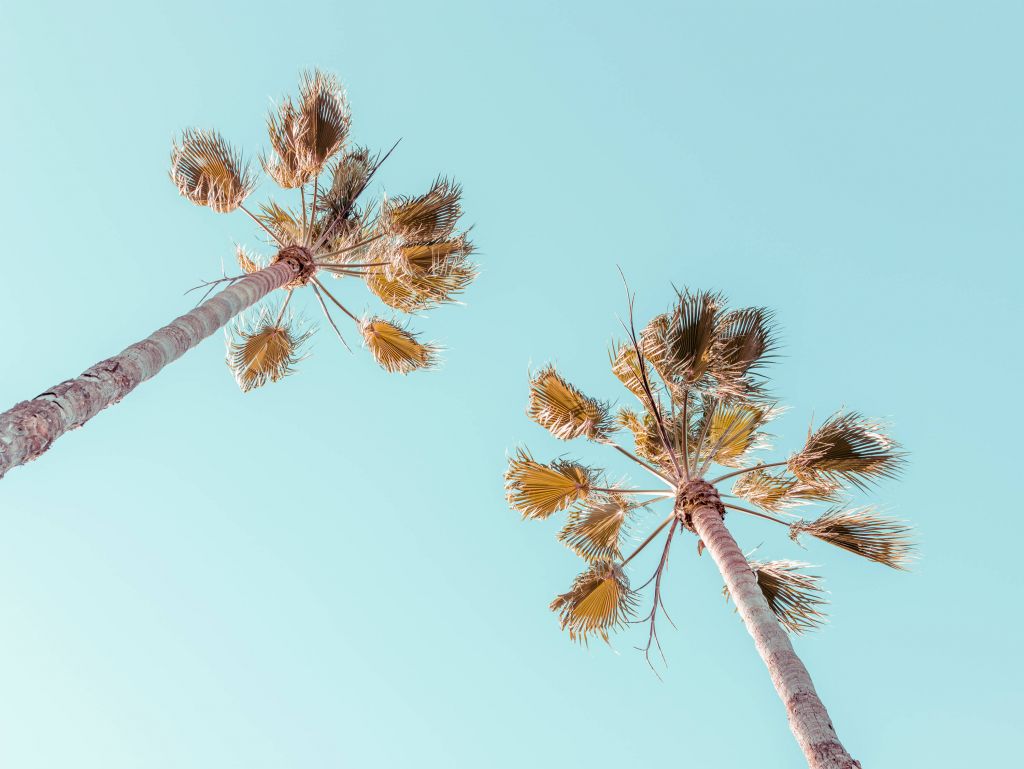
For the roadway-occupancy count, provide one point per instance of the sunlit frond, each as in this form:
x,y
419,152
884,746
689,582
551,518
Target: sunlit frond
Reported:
x,y
594,530
426,218
396,348
416,293
324,117
863,532
261,350
537,490
795,599
285,128
680,344
283,222
349,176
745,339
647,441
848,447
207,171
777,492
248,262
733,432
564,411
626,365
598,601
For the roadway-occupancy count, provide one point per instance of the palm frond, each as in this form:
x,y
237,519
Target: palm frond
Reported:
x,y
396,348
795,599
564,411
733,431
744,341
647,440
598,601
286,164
426,218
848,447
863,532
537,490
680,344
630,368
350,174
416,293
325,118
284,223
249,263
777,492
595,529
207,171
262,350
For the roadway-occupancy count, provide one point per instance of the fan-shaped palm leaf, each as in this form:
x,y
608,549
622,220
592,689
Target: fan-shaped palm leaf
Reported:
x,y
795,599
264,350
324,118
564,411
537,490
427,218
848,447
595,529
680,344
396,348
776,492
209,172
863,532
631,369
745,339
732,433
598,601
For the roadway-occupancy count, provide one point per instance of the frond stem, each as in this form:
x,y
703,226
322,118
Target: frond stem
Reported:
x,y
640,462
261,224
341,307
748,511
742,470
649,539
330,320
284,307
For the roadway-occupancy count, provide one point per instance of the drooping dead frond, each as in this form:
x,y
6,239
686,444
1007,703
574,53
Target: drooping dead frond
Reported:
x,y
863,532
732,433
248,262
598,601
595,529
776,492
745,339
426,218
263,350
537,490
680,344
564,411
324,117
207,171
848,447
396,348
795,599
627,366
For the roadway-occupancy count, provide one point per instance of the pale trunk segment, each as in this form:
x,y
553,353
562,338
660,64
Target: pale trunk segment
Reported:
x,y
807,715
31,427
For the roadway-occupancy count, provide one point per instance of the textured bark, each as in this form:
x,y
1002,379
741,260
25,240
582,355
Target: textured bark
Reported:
x,y
30,428
808,718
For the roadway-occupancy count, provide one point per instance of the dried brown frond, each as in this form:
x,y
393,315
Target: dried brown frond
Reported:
x,y
537,490
207,171
848,447
426,218
628,367
681,343
744,340
564,411
594,530
777,492
733,432
285,129
396,348
261,350
249,263
862,531
283,222
598,601
324,117
795,599
350,174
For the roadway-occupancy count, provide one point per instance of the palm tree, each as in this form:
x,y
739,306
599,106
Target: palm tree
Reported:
x,y
406,250
697,373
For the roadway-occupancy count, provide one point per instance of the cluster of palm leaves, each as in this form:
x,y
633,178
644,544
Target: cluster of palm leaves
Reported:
x,y
697,374
407,250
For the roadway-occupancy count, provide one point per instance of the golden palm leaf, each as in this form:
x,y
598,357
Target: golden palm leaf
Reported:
x,y
594,530
630,370
848,447
325,119
744,340
564,411
863,532
598,601
647,438
285,224
396,348
209,172
795,599
416,293
680,344
285,129
732,434
776,493
426,218
537,490
262,350
248,262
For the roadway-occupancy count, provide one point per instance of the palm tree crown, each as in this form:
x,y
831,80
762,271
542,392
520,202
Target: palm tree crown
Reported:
x,y
697,371
407,250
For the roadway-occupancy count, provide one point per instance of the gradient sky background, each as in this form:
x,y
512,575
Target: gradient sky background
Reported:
x,y
324,573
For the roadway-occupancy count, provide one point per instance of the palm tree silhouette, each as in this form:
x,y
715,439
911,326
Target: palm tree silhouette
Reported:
x,y
406,250
697,373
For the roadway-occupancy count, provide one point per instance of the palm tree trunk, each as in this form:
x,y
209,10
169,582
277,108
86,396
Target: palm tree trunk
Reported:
x,y
807,715
31,427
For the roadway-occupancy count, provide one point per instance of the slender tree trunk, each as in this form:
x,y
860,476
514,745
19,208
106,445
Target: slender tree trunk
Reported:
x,y
31,427
807,715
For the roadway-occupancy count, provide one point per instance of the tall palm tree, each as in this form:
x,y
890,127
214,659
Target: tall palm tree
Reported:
x,y
697,373
407,251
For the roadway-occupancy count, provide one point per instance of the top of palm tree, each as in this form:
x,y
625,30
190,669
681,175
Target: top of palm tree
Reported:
x,y
407,250
697,372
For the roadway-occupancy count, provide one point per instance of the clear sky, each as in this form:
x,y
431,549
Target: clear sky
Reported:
x,y
324,573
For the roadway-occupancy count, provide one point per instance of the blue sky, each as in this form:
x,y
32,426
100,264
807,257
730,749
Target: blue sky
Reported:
x,y
324,573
